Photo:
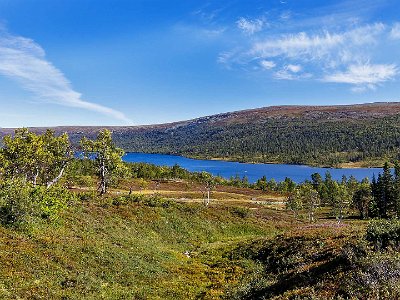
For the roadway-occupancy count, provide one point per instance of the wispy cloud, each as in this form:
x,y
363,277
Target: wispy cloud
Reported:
x,y
267,64
24,61
250,26
341,56
395,32
292,72
364,76
317,46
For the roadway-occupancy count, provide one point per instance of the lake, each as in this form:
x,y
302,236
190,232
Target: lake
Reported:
x,y
297,173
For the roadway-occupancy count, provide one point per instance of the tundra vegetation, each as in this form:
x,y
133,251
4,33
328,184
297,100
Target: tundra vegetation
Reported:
x,y
89,226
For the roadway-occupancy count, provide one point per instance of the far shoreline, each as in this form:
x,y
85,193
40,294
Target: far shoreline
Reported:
x,y
346,165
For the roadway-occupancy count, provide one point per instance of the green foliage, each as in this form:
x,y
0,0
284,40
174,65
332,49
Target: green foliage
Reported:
x,y
240,211
305,197
86,196
150,200
107,157
17,206
294,202
341,199
385,194
52,201
39,159
362,198
288,268
286,186
80,172
384,234
262,184
150,171
374,273
21,203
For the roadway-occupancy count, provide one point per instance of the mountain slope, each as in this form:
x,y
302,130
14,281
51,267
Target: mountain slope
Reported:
x,y
323,135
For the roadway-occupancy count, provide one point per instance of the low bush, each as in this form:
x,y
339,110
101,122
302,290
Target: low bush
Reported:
x,y
151,201
242,212
87,196
384,234
22,203
16,205
51,201
157,201
126,199
82,180
373,276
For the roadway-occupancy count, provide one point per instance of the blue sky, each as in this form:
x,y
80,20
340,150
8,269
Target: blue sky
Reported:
x,y
86,62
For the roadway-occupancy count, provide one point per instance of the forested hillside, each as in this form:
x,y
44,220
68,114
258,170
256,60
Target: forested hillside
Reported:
x,y
322,135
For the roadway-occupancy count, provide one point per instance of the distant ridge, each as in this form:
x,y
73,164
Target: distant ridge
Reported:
x,y
374,109
322,135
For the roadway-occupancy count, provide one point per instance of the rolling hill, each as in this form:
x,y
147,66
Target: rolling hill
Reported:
x,y
362,134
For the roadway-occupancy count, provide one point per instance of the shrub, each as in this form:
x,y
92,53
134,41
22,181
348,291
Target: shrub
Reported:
x,y
374,276
16,205
51,201
87,196
384,234
126,199
21,203
83,180
157,201
241,212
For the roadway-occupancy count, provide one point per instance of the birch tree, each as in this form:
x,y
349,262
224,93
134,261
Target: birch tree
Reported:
x,y
38,159
107,157
209,184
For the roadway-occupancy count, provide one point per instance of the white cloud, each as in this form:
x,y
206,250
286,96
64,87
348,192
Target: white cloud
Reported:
x,y
294,68
365,76
267,64
395,32
329,56
291,72
24,61
317,46
250,26
284,75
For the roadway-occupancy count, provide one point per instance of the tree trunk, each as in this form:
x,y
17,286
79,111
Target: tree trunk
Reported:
x,y
55,180
207,200
103,188
35,177
340,214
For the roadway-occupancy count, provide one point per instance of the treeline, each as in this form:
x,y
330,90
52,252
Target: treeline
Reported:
x,y
377,199
154,172
283,140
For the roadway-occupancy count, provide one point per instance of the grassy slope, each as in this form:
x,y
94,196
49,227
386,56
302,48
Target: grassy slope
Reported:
x,y
132,251
98,249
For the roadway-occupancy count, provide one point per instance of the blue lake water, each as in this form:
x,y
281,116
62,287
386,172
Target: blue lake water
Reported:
x,y
253,172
